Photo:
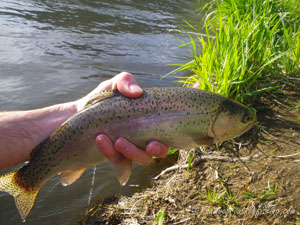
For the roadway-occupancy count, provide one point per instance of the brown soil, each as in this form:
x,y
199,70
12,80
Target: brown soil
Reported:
x,y
252,180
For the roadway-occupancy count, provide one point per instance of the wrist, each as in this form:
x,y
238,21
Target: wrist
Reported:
x,y
21,131
56,115
79,104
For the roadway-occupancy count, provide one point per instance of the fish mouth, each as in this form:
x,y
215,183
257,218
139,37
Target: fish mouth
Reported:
x,y
249,126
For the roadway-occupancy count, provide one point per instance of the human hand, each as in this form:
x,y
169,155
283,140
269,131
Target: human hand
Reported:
x,y
122,150
123,82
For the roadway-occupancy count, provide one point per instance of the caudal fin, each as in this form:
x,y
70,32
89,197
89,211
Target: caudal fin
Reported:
x,y
24,198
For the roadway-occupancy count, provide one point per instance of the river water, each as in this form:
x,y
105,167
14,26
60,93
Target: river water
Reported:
x,y
53,51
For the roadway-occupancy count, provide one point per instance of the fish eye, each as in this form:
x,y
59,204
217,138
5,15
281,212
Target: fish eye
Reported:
x,y
247,117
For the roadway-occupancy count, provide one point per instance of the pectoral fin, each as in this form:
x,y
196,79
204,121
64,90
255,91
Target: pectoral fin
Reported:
x,y
204,140
123,170
70,176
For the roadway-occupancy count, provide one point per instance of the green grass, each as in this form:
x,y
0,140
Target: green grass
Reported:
x,y
160,218
190,161
248,45
269,192
296,106
222,197
172,151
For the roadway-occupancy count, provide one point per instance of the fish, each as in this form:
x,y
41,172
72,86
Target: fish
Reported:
x,y
179,117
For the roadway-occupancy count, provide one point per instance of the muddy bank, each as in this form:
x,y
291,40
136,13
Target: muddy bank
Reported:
x,y
252,180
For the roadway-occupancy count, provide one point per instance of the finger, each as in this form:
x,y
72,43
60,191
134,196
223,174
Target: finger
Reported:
x,y
131,152
110,84
126,84
157,149
123,82
107,149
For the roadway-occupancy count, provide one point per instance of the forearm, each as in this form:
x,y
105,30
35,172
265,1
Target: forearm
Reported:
x,y
21,131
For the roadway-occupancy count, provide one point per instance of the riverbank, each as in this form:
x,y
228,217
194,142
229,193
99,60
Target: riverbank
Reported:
x,y
251,180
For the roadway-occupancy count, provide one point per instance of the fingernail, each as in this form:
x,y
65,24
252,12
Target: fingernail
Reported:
x,y
156,150
135,88
102,141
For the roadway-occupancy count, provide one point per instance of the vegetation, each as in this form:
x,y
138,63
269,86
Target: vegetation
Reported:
x,y
248,47
269,192
223,198
160,218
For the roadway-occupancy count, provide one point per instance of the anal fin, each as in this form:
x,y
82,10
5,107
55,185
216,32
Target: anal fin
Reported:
x,y
68,177
123,170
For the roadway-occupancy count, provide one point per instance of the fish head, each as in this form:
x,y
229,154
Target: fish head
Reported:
x,y
232,120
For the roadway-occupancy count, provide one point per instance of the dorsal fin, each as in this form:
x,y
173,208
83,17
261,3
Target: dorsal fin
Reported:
x,y
96,98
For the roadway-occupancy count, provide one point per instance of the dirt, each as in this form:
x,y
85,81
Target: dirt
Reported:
x,y
252,180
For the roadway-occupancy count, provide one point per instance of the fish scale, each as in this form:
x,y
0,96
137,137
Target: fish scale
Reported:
x,y
176,116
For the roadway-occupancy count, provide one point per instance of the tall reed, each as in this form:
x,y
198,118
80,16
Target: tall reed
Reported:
x,y
247,46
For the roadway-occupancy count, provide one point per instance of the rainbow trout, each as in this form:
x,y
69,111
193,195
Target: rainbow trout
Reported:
x,y
178,117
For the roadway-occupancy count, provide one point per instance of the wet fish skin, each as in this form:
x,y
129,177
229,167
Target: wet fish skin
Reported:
x,y
179,117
